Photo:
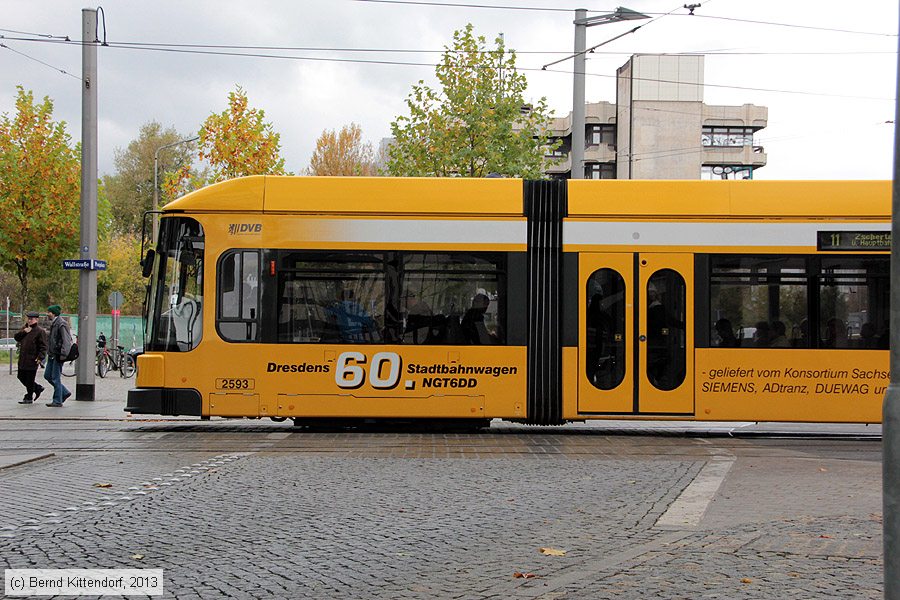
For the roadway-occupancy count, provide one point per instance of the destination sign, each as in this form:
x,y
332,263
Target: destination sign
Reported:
x,y
854,241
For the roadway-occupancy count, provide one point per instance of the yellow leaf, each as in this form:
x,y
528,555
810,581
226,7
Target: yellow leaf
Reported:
x,y
552,551
103,485
137,556
746,580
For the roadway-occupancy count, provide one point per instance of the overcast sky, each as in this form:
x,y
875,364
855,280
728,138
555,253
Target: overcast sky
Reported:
x,y
825,69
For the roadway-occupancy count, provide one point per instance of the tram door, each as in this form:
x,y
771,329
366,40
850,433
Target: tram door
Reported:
x,y
636,342
665,333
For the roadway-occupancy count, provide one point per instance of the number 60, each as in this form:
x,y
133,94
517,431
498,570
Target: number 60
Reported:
x,y
350,372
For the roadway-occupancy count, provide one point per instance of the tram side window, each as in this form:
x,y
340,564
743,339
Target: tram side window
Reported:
x,y
854,302
759,302
239,296
392,298
332,297
452,298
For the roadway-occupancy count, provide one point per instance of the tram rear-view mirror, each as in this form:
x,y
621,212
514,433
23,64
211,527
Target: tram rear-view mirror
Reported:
x,y
147,263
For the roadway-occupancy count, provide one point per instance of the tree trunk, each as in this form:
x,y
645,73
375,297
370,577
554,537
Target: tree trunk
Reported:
x,y
22,273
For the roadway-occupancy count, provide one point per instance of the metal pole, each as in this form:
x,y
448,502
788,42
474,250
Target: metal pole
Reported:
x,y
155,196
891,407
87,290
13,347
577,151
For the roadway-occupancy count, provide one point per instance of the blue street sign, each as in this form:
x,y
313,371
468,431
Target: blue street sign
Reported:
x,y
90,264
77,264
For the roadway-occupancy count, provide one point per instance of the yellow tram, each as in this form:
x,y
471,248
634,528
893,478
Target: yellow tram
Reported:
x,y
537,301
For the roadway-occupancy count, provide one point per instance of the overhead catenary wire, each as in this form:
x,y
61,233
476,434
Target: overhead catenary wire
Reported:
x,y
612,39
117,45
467,5
37,60
203,49
43,35
572,10
347,49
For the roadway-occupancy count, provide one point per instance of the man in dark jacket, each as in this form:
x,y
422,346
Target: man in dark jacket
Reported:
x,y
32,339
58,347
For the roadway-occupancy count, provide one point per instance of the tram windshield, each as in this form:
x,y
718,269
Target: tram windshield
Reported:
x,y
175,307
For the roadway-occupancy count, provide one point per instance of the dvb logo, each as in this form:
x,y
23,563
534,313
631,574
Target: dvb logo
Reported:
x,y
244,228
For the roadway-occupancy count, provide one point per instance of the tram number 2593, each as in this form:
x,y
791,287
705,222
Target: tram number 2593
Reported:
x,y
383,371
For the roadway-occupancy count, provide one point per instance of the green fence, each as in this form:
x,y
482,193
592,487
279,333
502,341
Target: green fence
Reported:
x,y
131,328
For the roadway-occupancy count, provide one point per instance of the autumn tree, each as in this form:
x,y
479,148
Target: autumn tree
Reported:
x,y
478,123
343,153
234,143
123,274
130,190
40,181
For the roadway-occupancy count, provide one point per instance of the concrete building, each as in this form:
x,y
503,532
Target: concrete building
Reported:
x,y
660,128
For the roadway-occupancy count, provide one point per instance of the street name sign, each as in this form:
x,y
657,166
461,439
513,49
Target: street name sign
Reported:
x,y
90,264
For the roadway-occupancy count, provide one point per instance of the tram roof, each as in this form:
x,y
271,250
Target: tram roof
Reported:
x,y
504,197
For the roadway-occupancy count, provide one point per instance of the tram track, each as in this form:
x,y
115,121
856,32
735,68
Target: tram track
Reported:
x,y
650,452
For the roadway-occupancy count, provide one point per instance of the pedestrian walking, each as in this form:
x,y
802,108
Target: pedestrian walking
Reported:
x,y
59,344
32,340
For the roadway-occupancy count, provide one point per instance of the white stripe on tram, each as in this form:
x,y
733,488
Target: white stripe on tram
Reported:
x,y
674,233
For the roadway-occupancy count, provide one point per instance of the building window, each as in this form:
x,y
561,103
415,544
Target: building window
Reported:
x,y
561,150
727,137
712,172
596,135
600,171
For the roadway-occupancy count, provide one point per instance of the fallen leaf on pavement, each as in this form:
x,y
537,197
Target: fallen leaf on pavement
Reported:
x,y
103,485
552,551
827,537
823,470
518,575
137,556
746,580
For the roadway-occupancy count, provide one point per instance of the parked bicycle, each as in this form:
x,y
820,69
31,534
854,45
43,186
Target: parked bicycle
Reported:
x,y
117,360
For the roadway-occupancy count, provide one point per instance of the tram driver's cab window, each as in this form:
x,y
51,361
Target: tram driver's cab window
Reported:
x,y
175,309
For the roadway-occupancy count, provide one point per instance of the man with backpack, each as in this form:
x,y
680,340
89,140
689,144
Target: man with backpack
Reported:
x,y
59,346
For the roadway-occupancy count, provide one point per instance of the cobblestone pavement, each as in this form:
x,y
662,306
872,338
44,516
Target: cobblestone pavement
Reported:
x,y
245,509
250,509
